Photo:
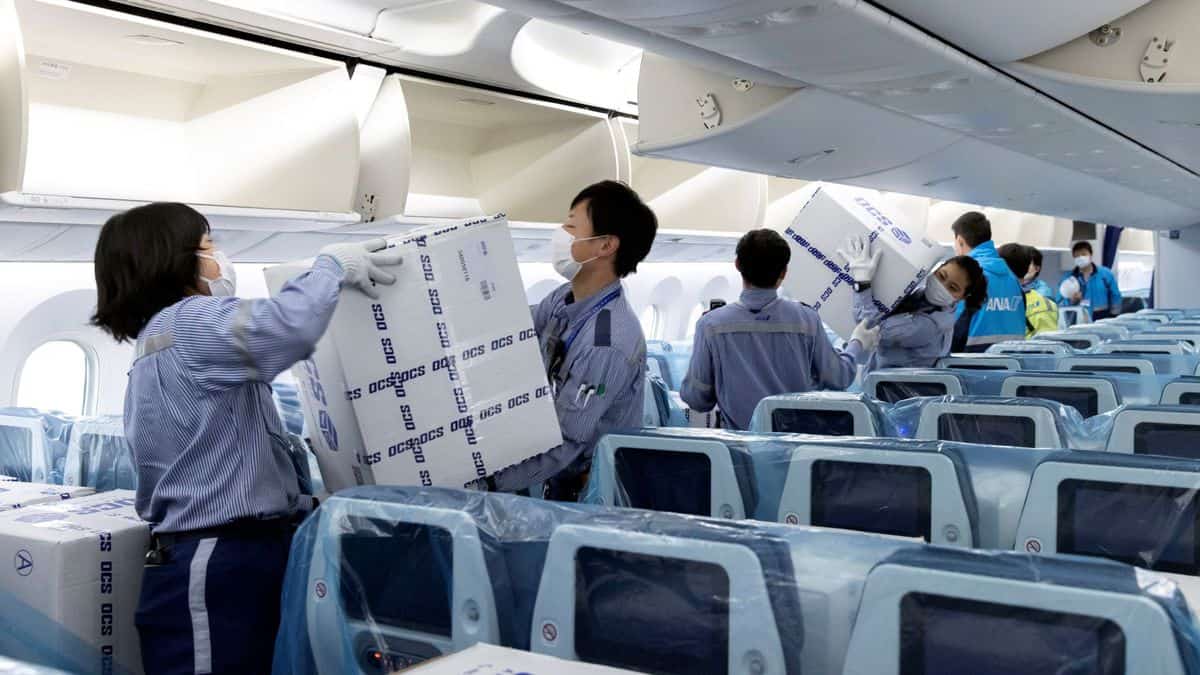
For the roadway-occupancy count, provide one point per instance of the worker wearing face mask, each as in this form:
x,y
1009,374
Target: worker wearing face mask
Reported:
x,y
215,476
1095,286
919,330
591,340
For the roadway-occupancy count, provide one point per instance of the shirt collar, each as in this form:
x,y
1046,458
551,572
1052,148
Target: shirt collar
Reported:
x,y
755,299
985,250
574,310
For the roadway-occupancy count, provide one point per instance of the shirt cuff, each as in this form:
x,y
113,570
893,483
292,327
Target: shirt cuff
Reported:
x,y
327,263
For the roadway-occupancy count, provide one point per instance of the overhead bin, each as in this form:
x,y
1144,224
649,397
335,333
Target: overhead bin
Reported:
x,y
101,105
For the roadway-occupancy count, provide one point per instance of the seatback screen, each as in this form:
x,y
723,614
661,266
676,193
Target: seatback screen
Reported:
x,y
941,635
989,429
1189,398
817,422
880,498
1172,440
662,480
1149,526
16,452
1079,344
398,574
1079,368
651,614
1084,399
894,392
974,366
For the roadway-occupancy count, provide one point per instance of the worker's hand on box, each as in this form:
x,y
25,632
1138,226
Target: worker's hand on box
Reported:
x,y
362,263
857,254
867,336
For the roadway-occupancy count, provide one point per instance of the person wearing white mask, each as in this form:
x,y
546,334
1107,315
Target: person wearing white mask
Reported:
x,y
919,329
591,341
1097,286
215,479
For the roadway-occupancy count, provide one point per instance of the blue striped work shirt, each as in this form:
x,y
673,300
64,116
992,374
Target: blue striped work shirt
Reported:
x,y
206,439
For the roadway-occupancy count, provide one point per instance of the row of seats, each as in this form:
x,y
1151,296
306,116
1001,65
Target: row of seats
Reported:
x,y
381,578
1137,509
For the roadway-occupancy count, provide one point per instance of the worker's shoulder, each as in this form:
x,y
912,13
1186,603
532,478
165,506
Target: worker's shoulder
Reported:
x,y
617,327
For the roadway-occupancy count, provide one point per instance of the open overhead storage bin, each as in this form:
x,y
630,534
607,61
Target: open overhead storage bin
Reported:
x,y
101,110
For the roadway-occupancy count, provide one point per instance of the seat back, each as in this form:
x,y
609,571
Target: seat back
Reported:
x,y
1073,316
980,362
1110,363
1026,425
1080,340
1091,395
1038,346
1156,430
1182,391
892,386
1145,347
818,413
98,456
909,493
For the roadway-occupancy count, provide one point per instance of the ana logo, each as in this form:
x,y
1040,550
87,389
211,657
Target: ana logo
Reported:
x,y
23,562
320,589
1033,545
902,235
549,632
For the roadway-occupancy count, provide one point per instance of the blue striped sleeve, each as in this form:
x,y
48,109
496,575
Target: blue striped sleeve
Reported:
x,y
227,341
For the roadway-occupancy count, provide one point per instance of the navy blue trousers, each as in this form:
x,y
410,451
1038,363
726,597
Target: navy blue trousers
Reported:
x,y
213,606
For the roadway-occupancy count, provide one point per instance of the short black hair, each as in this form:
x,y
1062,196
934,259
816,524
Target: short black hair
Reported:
x,y
762,257
1081,245
977,286
145,261
617,210
1035,256
1017,257
973,227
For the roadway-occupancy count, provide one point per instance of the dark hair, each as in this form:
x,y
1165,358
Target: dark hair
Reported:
x,y
762,257
977,286
616,209
1035,257
973,227
145,261
1080,245
1017,257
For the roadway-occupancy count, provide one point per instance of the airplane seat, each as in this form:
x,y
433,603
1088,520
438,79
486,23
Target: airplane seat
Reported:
x,y
1135,346
391,584
1137,509
1106,363
1080,340
1171,431
1112,331
656,365
818,413
287,402
992,420
672,596
1181,391
98,456
1073,316
1091,395
693,475
1037,346
883,488
893,386
978,362
925,610
33,445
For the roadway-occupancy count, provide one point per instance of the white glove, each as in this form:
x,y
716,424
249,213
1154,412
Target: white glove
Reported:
x,y
867,337
361,263
857,254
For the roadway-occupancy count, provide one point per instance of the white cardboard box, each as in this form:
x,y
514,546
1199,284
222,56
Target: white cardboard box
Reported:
x,y
485,659
444,370
75,575
14,494
817,276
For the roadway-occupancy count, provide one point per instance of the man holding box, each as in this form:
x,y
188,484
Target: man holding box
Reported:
x,y
591,341
1002,317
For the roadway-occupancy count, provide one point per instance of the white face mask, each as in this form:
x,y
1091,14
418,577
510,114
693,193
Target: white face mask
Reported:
x,y
225,285
936,293
564,261
1083,261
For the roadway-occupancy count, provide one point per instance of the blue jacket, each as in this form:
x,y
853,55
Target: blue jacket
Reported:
x,y
1100,290
1003,316
1043,288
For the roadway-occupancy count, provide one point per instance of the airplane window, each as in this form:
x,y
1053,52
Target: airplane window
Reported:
x,y
651,320
697,312
55,377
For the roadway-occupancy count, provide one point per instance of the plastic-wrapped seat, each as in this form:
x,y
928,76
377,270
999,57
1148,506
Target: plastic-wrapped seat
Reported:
x,y
1106,363
1172,431
1039,346
1145,346
1182,391
33,445
1026,423
1079,340
895,385
1140,510
819,413
943,610
1091,395
909,491
979,362
99,457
